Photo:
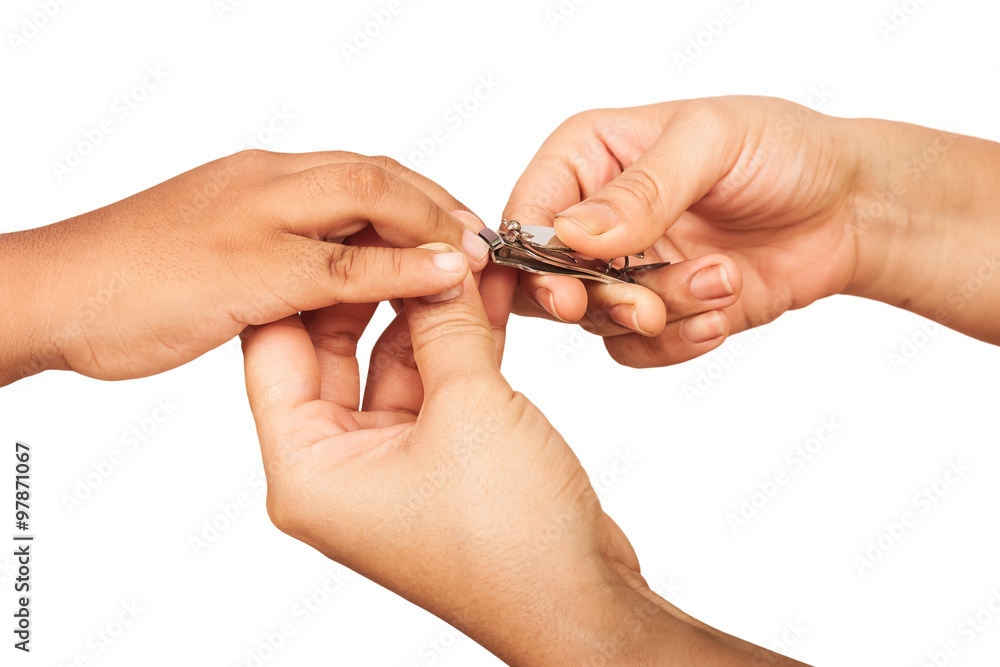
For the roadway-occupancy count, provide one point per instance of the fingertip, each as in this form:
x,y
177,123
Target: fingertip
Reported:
x,y
446,259
704,327
562,297
469,219
475,247
734,274
577,236
466,277
715,278
592,217
251,331
630,306
450,262
543,297
573,234
596,228
651,313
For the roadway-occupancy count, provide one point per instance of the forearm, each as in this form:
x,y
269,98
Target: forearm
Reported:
x,y
619,621
25,341
926,227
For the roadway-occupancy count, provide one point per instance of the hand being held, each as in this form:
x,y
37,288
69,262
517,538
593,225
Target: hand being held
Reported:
x,y
157,279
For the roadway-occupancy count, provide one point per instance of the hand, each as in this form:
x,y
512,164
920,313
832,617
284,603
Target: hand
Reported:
x,y
452,490
155,280
750,197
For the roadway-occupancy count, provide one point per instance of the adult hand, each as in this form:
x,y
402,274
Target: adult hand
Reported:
x,y
155,280
749,197
449,488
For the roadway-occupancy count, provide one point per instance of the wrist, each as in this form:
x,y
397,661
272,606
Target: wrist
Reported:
x,y
892,215
600,614
922,220
574,615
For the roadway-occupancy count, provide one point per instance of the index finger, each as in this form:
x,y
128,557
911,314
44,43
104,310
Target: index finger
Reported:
x,y
579,158
570,164
335,200
573,163
440,195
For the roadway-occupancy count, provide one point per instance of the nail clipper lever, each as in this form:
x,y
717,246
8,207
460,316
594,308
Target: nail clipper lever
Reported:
x,y
536,249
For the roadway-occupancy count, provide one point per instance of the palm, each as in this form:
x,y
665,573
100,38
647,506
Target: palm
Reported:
x,y
485,457
782,218
783,268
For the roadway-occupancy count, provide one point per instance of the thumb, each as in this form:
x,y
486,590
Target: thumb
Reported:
x,y
452,339
313,274
630,213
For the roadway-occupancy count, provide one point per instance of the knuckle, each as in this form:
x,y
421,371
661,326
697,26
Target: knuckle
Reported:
x,y
396,352
455,329
360,181
713,117
582,120
338,343
641,186
344,156
252,156
393,263
366,183
387,164
439,226
325,181
341,264
708,109
450,334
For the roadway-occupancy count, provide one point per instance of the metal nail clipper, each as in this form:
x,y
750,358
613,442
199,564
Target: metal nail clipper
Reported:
x,y
537,249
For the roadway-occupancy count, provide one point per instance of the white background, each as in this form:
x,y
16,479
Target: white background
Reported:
x,y
695,460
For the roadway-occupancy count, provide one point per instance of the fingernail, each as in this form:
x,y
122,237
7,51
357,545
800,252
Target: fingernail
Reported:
x,y
452,262
475,246
711,283
702,328
626,315
593,218
447,295
544,298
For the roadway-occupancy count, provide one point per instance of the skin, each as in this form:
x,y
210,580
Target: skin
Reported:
x,y
446,486
441,482
157,279
791,204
